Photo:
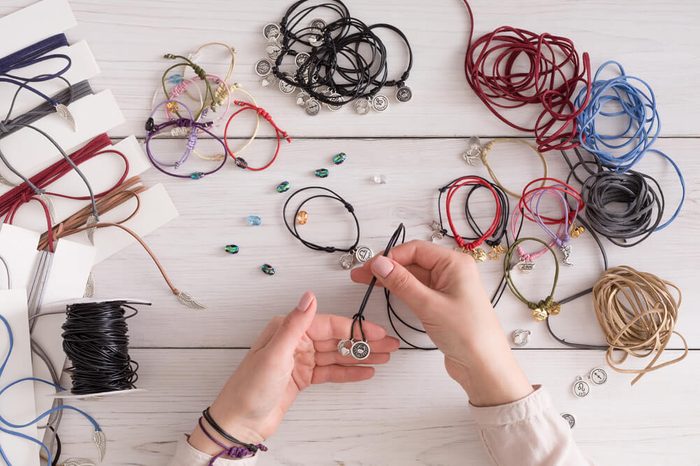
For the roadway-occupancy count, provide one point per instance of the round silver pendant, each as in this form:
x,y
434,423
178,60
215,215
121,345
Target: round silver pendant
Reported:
x,y
263,67
380,103
318,23
520,337
347,260
344,347
312,107
404,94
334,96
580,388
273,51
570,419
361,106
286,88
598,376
272,31
301,58
360,350
363,254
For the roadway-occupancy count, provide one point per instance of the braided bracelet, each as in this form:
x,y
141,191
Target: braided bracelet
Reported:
x,y
545,307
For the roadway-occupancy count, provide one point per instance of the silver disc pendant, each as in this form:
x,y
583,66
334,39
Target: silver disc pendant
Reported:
x,y
301,58
344,347
570,419
580,388
598,376
360,350
362,106
380,103
334,97
273,51
347,260
363,254
286,88
404,94
272,31
263,67
312,107
318,23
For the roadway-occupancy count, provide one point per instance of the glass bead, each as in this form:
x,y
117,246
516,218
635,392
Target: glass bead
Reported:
x,y
231,249
302,217
321,173
340,158
267,269
254,220
176,78
379,179
283,187
196,175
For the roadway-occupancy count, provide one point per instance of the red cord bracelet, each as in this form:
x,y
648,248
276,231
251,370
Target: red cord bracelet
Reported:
x,y
555,185
279,134
492,66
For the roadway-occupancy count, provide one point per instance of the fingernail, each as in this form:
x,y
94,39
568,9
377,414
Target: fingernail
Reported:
x,y
305,301
382,266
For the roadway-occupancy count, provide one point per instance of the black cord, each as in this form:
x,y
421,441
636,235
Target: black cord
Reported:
x,y
96,340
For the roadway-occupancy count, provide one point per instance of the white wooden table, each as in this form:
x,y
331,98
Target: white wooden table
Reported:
x,y
411,412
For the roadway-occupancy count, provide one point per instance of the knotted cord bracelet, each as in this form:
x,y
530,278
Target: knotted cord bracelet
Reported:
x,y
252,448
548,306
209,101
279,134
488,148
233,452
231,64
492,68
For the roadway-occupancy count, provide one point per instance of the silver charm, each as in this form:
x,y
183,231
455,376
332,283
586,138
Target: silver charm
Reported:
x,y
347,260
361,106
566,251
90,286
312,107
78,462
65,113
360,350
263,67
344,347
526,265
273,51
404,93
301,58
302,97
380,103
334,96
378,179
598,376
363,254
268,80
437,233
100,440
186,299
580,388
91,220
272,31
286,88
521,337
314,39
570,419
318,23
473,152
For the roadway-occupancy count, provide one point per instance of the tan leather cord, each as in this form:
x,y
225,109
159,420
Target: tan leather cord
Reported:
x,y
488,147
637,312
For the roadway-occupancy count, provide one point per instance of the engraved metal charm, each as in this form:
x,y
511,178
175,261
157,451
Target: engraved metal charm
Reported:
x,y
314,39
363,254
65,113
360,350
347,260
318,23
268,80
334,96
479,254
598,376
362,106
273,51
526,266
286,88
272,31
186,299
580,388
344,347
89,286
380,102
301,58
566,252
302,97
473,152
312,107
404,94
91,220
100,440
520,337
570,419
496,252
263,67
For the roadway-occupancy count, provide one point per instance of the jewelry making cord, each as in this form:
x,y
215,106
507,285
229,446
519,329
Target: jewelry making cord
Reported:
x,y
199,71
331,195
488,149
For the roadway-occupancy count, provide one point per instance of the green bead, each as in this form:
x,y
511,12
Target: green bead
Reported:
x,y
196,175
283,187
231,249
267,269
321,173
340,158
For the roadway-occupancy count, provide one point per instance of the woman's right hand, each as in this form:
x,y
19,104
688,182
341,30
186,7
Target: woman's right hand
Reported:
x,y
443,288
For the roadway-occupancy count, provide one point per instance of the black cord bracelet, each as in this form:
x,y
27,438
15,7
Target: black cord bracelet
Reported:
x,y
219,430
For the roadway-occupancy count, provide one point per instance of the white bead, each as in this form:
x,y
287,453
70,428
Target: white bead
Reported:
x,y
379,179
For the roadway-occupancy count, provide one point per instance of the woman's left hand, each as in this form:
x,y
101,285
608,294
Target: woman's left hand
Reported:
x,y
292,353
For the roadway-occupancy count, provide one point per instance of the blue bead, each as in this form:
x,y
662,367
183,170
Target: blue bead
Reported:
x,y
267,269
283,187
253,220
196,175
176,78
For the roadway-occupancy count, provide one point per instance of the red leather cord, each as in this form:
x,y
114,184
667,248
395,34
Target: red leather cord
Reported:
x,y
552,71
279,133
558,185
451,190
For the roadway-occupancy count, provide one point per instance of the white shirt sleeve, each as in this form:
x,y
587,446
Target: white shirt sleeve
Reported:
x,y
187,455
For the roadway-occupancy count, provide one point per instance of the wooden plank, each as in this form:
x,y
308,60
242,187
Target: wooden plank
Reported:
x,y
129,36
213,212
410,413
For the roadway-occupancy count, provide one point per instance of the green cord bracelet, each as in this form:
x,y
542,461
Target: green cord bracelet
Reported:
x,y
543,308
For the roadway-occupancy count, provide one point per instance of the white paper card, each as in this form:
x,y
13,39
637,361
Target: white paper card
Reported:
x,y
18,248
34,23
30,152
103,171
17,404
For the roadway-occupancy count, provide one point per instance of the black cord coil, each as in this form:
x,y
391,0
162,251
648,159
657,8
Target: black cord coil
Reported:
x,y
96,340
